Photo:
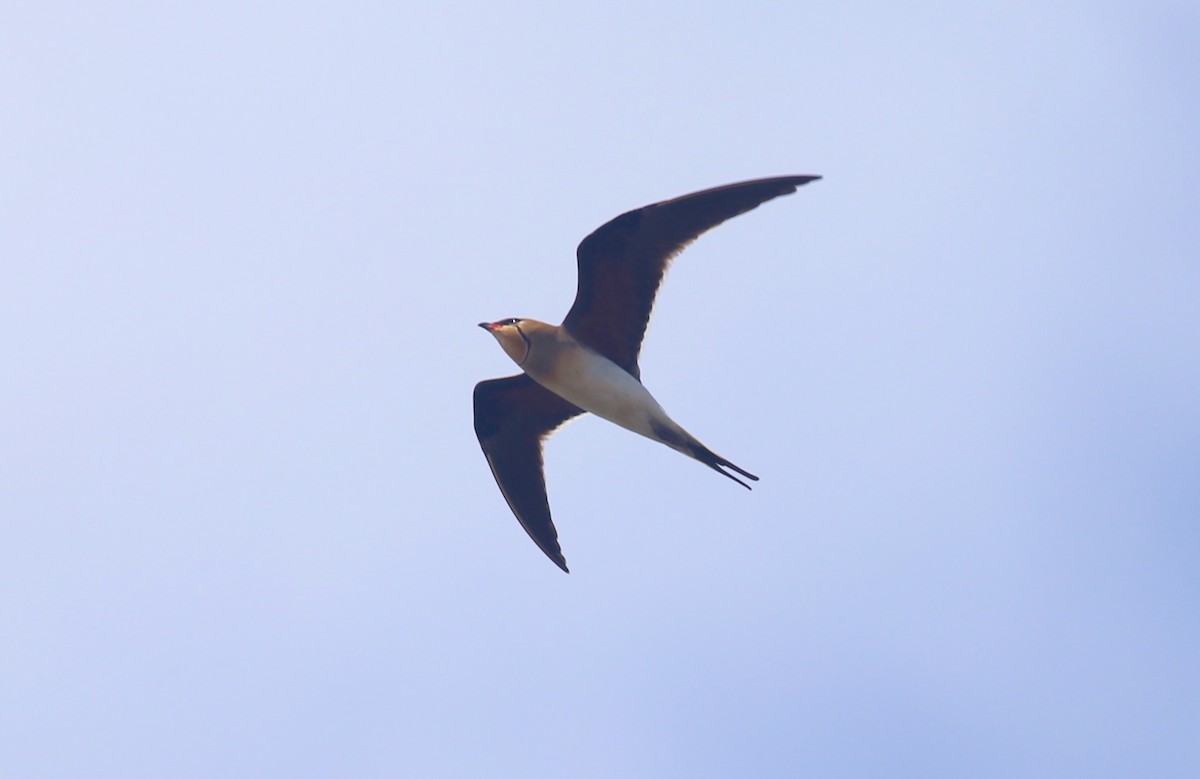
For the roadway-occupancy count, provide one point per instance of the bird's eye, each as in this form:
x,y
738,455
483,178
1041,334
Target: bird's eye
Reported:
x,y
512,321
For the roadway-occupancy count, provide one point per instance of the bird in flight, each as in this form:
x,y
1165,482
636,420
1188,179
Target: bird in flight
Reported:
x,y
589,363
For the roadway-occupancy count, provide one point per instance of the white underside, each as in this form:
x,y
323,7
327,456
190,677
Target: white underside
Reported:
x,y
598,385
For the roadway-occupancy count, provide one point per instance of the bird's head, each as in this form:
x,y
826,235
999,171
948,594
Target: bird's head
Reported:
x,y
513,340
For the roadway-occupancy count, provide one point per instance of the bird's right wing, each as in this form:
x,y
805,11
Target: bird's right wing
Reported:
x,y
513,416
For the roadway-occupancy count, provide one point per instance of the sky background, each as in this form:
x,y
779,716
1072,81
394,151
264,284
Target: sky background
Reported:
x,y
245,526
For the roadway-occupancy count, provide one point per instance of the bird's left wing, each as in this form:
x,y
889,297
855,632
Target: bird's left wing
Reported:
x,y
622,263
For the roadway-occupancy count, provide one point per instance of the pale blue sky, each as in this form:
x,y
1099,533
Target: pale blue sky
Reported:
x,y
247,529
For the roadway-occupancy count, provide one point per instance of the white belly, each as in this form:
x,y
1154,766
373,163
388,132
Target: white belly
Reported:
x,y
597,384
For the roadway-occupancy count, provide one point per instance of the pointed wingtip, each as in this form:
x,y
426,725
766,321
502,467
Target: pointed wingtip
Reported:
x,y
789,184
552,551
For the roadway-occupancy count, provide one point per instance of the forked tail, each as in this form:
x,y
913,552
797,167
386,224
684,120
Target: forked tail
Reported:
x,y
719,463
679,439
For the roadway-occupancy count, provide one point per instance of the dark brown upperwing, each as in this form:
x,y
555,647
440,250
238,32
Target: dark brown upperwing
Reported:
x,y
623,262
512,417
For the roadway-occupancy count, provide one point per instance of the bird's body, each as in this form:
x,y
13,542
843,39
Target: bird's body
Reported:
x,y
589,362
557,361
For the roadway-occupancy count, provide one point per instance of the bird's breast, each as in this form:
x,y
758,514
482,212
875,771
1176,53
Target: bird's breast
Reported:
x,y
598,385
